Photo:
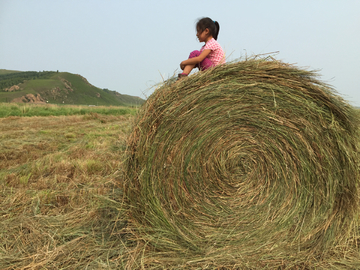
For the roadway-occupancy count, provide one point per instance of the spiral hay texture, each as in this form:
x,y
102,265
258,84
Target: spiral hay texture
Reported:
x,y
244,164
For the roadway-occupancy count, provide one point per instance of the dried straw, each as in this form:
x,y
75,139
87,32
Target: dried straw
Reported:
x,y
247,164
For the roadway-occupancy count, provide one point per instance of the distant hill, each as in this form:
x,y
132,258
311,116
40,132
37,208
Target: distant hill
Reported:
x,y
57,88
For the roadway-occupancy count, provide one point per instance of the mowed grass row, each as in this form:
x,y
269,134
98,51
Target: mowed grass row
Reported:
x,y
27,110
60,201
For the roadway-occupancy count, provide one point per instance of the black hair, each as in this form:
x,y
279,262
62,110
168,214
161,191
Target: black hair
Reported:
x,y
213,26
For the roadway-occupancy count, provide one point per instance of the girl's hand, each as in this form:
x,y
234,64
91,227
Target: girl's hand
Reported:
x,y
182,65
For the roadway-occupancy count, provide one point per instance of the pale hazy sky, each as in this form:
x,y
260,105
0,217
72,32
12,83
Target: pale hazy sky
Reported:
x,y
128,46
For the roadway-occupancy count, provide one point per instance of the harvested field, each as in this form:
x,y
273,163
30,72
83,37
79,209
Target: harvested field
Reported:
x,y
60,206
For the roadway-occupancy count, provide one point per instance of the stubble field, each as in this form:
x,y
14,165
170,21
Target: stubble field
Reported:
x,y
60,207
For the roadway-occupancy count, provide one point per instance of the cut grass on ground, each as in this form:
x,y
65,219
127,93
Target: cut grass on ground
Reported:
x,y
60,207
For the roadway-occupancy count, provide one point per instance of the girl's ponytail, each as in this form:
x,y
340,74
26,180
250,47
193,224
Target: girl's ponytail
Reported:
x,y
217,28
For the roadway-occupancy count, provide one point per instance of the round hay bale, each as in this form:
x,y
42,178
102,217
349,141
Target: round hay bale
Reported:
x,y
252,158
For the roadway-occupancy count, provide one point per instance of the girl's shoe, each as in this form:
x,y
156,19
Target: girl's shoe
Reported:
x,y
181,75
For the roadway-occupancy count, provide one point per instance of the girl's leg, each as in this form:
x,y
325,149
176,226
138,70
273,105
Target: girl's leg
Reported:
x,y
205,64
188,69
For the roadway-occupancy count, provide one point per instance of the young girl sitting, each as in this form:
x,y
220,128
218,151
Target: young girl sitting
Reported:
x,y
211,54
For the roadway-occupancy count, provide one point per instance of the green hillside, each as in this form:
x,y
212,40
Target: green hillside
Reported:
x,y
57,88
6,71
